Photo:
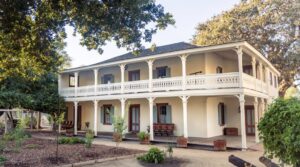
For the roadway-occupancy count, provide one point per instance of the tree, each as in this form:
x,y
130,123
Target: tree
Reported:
x,y
32,32
268,25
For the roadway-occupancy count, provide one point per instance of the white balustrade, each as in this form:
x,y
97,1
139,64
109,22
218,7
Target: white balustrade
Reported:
x,y
208,81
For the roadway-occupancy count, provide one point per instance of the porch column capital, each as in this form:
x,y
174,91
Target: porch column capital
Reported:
x,y
76,103
184,98
183,57
150,62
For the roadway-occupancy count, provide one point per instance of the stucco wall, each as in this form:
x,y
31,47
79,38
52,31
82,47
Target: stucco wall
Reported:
x,y
195,63
142,66
174,63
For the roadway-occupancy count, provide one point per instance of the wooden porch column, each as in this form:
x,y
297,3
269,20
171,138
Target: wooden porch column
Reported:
x,y
256,118
150,67
151,101
95,80
76,82
239,52
243,123
75,116
183,66
122,68
254,67
261,71
123,100
95,117
185,121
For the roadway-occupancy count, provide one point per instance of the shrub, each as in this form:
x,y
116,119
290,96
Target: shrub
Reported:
x,y
143,135
2,160
16,134
70,140
154,155
2,145
89,137
280,131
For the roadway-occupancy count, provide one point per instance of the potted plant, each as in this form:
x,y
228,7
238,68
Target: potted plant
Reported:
x,y
144,137
69,132
119,127
182,142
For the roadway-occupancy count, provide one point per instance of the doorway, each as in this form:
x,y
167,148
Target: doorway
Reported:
x,y
134,118
250,120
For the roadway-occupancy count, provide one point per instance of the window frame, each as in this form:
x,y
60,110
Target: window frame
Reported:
x,y
158,105
105,106
161,68
221,114
219,70
71,75
110,78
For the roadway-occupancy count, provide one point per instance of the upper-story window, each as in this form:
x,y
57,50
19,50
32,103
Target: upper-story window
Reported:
x,y
107,78
134,75
161,72
72,81
271,78
219,70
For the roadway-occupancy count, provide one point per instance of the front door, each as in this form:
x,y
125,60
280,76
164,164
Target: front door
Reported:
x,y
250,121
134,118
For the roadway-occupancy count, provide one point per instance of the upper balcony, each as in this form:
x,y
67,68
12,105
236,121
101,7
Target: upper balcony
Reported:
x,y
223,68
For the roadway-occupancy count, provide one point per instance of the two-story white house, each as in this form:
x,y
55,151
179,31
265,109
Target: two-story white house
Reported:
x,y
201,90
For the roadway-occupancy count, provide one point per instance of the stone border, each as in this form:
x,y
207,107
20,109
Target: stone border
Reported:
x,y
92,162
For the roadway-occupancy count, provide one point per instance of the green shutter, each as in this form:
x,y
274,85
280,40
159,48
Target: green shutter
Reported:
x,y
154,74
102,115
169,114
168,72
154,114
112,113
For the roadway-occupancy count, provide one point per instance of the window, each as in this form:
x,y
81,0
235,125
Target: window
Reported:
x,y
72,81
271,79
219,70
134,75
107,112
161,72
221,114
107,78
163,113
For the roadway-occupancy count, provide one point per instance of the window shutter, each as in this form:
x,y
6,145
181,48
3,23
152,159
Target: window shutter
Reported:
x,y
169,114
112,113
112,79
154,74
102,114
168,72
102,80
224,114
154,114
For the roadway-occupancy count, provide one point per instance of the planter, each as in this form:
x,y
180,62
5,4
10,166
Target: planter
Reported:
x,y
145,141
117,137
182,142
69,132
220,145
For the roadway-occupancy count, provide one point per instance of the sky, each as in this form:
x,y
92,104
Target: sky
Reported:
x,y
187,14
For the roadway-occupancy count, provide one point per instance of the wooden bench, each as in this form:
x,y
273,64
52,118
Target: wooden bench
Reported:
x,y
231,131
163,129
67,125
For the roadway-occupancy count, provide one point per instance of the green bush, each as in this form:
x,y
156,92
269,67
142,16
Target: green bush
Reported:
x,y
89,137
2,160
16,134
280,131
70,140
154,155
143,135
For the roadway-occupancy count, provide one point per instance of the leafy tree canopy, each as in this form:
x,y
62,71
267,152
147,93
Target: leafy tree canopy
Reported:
x,y
268,25
32,32
280,131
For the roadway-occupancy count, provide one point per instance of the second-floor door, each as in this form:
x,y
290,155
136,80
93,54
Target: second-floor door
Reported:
x,y
134,75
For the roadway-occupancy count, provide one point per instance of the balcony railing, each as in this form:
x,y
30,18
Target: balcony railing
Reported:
x,y
192,82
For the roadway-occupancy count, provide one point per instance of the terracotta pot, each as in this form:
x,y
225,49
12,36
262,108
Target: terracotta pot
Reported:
x,y
145,141
117,137
220,145
69,132
182,142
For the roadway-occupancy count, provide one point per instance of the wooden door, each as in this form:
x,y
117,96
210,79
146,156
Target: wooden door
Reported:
x,y
134,118
250,120
134,75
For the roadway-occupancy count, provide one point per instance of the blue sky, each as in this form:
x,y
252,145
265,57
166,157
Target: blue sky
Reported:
x,y
187,14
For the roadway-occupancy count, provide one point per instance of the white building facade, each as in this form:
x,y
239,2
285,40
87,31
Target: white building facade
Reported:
x,y
199,90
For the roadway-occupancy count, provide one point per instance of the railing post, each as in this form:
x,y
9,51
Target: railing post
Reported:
x,y
76,82
183,66
239,52
95,81
122,68
150,66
